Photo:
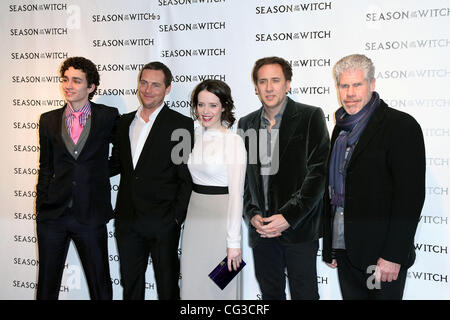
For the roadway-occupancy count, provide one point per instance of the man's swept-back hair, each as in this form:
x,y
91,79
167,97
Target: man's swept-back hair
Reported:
x,y
354,62
287,69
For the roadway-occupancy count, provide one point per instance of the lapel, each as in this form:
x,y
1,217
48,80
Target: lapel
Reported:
x,y
56,127
289,123
156,131
334,136
287,126
255,168
125,149
255,124
370,130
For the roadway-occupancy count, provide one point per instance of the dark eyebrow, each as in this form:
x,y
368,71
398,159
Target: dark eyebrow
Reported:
x,y
75,78
272,78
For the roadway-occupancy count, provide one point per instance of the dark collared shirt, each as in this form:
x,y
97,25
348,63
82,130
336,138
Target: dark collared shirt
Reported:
x,y
266,154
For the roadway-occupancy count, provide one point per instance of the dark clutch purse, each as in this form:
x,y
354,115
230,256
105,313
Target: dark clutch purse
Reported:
x,y
221,276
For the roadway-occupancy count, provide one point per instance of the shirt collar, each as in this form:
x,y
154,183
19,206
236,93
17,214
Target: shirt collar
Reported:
x,y
152,116
86,110
278,116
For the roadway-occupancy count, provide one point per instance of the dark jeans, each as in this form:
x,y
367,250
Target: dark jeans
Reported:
x,y
357,284
272,258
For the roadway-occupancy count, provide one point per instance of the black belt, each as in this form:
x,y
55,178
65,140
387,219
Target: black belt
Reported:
x,y
209,189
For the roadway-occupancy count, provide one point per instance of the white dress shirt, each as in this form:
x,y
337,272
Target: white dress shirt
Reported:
x,y
139,130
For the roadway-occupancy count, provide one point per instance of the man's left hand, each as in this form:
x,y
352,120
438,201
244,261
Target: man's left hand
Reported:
x,y
274,226
386,270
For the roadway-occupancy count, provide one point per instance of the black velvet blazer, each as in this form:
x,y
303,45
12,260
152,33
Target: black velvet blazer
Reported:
x,y
296,190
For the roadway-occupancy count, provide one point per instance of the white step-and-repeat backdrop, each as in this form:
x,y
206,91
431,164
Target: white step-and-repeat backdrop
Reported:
x,y
409,42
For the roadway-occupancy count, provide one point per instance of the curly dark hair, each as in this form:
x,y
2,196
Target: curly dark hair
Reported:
x,y
223,92
85,65
287,69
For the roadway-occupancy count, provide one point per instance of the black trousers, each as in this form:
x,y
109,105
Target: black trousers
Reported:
x,y
272,258
135,247
91,241
357,284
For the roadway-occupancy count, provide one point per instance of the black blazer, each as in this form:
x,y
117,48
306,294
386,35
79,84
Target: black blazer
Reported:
x,y
384,191
158,190
86,179
296,189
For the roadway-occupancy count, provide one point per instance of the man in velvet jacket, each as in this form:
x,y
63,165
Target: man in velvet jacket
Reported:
x,y
287,144
375,187
73,190
152,147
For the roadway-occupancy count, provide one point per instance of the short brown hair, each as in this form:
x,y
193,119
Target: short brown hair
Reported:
x,y
287,69
156,65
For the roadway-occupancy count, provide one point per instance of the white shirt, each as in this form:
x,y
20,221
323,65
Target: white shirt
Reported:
x,y
219,159
139,130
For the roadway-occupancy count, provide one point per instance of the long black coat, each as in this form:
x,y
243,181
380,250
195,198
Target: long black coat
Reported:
x,y
296,190
384,191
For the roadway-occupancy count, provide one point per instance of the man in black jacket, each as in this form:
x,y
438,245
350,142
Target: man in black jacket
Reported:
x,y
155,186
73,190
287,144
376,187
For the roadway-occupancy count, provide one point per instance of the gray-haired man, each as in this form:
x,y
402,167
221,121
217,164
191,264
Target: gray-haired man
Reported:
x,y
375,187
